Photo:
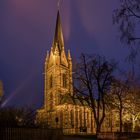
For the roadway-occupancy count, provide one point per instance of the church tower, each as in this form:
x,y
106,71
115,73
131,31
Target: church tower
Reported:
x,y
58,70
60,109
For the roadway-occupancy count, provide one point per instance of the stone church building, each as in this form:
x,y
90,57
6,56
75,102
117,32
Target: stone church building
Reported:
x,y
59,109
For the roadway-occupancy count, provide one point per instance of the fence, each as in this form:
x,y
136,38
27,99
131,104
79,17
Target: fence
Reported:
x,y
118,135
30,134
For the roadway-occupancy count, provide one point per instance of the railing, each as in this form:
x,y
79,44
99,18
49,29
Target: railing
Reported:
x,y
30,134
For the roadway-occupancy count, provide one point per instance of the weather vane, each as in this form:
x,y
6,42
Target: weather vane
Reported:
x,y
59,3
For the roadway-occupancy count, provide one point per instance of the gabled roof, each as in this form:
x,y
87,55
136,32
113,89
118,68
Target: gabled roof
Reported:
x,y
68,99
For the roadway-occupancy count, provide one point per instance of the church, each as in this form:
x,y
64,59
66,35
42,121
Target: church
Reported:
x,y
59,109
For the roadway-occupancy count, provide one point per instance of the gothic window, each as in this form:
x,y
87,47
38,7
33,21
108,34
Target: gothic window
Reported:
x,y
88,125
66,118
61,118
72,118
51,81
76,118
64,80
80,117
85,119
59,98
51,101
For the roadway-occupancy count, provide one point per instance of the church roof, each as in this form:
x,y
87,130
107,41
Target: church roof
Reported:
x,y
58,36
68,99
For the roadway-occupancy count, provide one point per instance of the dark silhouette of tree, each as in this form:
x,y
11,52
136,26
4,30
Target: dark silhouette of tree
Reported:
x,y
127,16
12,117
93,77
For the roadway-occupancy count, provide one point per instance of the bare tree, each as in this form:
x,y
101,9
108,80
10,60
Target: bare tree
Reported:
x,y
117,97
127,16
132,112
93,77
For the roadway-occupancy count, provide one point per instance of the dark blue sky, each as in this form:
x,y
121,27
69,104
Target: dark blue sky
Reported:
x,y
26,33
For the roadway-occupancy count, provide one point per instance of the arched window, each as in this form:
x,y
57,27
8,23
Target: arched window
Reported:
x,y
64,80
80,117
51,101
72,118
88,122
66,119
51,81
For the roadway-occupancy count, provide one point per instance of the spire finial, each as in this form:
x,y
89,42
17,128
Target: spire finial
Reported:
x,y
59,3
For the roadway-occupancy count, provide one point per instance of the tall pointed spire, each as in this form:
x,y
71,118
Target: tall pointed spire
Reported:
x,y
58,37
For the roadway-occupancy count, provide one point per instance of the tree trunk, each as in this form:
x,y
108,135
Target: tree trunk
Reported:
x,y
120,119
99,124
133,124
98,128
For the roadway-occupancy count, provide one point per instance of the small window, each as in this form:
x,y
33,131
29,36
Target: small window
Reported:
x,y
72,118
64,80
51,81
51,101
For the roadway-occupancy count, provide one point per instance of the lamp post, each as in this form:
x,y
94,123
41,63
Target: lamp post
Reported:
x,y
1,92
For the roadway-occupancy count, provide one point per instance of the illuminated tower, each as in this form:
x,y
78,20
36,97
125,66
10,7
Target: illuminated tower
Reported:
x,y
60,109
58,70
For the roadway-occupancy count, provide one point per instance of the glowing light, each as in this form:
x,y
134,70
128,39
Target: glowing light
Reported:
x,y
17,91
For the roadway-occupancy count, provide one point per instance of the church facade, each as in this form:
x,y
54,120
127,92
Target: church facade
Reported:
x,y
59,109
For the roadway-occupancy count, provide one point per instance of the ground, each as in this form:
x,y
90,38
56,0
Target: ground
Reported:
x,y
79,138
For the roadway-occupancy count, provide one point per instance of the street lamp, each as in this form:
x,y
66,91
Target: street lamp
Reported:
x,y
1,92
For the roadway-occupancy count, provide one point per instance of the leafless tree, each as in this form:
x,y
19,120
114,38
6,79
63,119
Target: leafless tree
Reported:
x,y
119,90
132,112
127,16
93,77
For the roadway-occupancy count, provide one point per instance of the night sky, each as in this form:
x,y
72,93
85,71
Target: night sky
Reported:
x,y
26,33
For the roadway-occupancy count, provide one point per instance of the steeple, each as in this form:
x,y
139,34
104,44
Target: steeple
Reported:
x,y
58,36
